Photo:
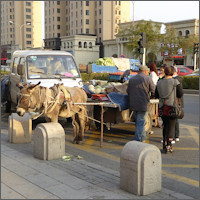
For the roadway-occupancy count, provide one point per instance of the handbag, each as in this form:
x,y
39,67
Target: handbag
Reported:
x,y
175,111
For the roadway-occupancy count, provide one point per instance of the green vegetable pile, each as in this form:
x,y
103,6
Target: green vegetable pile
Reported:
x,y
105,61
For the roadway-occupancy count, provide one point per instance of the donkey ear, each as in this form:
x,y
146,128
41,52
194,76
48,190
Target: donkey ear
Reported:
x,y
20,85
32,87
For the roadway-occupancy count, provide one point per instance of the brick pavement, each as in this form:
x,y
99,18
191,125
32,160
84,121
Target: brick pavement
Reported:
x,y
25,177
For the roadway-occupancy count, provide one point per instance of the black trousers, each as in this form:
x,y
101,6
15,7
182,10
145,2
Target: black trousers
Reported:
x,y
168,129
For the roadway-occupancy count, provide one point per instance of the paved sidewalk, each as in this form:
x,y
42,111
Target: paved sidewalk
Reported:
x,y
25,177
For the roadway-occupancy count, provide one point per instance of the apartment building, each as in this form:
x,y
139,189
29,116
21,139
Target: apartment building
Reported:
x,y
100,18
21,24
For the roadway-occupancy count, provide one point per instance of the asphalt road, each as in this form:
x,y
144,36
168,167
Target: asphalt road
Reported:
x,y
180,170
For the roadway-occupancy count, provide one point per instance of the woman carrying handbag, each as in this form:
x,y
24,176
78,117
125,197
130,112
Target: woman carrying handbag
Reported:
x,y
166,90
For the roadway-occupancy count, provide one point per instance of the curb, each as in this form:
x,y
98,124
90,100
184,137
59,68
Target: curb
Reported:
x,y
187,91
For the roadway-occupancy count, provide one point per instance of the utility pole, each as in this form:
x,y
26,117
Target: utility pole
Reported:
x,y
196,50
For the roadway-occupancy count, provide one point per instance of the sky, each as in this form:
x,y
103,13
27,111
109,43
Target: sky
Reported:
x,y
165,11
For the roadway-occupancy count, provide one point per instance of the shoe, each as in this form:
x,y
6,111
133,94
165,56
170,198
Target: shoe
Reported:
x,y
177,139
173,141
151,132
169,149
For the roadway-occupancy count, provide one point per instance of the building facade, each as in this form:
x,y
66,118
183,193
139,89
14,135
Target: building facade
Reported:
x,y
82,47
117,47
183,28
100,18
21,24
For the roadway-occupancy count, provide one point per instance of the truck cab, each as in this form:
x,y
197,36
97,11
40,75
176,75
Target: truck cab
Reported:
x,y
45,66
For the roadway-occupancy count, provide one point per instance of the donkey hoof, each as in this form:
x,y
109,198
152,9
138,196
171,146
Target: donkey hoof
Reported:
x,y
78,142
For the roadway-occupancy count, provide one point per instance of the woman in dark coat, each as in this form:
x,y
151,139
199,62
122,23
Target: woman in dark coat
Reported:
x,y
165,92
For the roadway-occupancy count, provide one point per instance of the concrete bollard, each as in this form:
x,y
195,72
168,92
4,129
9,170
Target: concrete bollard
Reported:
x,y
20,128
140,168
49,141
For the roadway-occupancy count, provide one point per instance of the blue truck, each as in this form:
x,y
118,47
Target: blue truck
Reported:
x,y
114,72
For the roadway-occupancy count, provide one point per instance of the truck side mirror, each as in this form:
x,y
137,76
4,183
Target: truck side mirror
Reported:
x,y
20,69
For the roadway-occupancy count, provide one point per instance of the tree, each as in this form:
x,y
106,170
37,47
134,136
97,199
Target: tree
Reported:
x,y
153,37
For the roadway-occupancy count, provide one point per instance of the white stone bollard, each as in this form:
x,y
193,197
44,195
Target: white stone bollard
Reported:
x,y
49,141
20,128
140,168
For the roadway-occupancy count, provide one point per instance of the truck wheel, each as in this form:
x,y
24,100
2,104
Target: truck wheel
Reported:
x,y
8,107
148,124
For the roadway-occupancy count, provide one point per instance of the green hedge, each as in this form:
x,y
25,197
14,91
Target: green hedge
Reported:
x,y
191,82
97,76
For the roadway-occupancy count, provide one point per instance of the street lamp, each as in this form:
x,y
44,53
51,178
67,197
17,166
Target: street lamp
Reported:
x,y
20,32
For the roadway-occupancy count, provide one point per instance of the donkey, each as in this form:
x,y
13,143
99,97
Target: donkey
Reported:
x,y
54,102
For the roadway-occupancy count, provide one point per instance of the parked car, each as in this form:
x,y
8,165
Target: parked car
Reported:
x,y
194,73
182,71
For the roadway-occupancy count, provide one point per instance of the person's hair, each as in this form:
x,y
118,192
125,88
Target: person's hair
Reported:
x,y
153,68
173,69
163,66
168,70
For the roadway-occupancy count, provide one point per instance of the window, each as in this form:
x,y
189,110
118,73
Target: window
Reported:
x,y
80,45
81,11
64,45
87,12
67,44
76,14
76,31
28,16
58,2
28,42
76,4
72,5
87,3
99,30
90,45
71,14
28,35
15,63
99,11
58,19
87,21
28,4
87,31
180,33
81,22
71,44
58,35
187,32
95,13
85,44
119,2
28,10
58,26
100,3
58,10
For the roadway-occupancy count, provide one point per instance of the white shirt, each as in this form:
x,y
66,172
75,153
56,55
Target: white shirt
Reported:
x,y
154,77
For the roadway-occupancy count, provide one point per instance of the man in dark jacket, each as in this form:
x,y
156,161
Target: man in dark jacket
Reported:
x,y
140,88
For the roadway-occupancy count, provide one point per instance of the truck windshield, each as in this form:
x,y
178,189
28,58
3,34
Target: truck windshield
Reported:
x,y
51,67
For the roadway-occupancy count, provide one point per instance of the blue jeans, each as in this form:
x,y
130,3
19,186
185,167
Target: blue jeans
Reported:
x,y
140,119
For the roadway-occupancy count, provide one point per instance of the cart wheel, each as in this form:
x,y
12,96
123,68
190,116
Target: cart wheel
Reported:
x,y
148,124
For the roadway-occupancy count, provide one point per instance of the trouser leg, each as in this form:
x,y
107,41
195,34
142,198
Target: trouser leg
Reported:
x,y
177,129
140,133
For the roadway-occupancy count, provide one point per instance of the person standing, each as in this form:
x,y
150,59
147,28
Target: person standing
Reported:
x,y
162,71
165,93
140,89
180,100
153,73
